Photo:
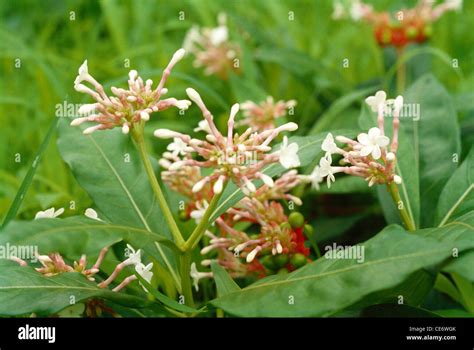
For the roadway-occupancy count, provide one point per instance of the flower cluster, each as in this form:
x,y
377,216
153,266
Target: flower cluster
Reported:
x,y
126,108
273,244
368,156
410,25
240,158
212,49
262,116
54,264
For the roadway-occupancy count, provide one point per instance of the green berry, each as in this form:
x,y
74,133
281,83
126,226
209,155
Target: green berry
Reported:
x,y
386,36
296,220
428,31
308,230
298,260
280,260
411,32
183,216
268,262
285,225
266,251
282,271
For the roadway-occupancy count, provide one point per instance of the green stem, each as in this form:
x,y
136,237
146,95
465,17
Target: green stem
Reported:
x,y
198,232
184,271
409,224
401,72
140,143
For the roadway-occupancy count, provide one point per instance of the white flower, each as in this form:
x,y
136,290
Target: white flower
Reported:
x,y
198,213
219,35
144,116
203,126
375,101
338,11
145,272
219,184
92,214
87,109
325,169
177,147
390,156
199,185
166,134
196,275
356,11
397,179
372,143
251,256
315,177
329,146
398,105
49,213
454,4
267,180
83,73
134,257
289,154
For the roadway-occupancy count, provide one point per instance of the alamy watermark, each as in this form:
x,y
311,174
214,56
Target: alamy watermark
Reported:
x,y
238,158
24,252
408,110
340,252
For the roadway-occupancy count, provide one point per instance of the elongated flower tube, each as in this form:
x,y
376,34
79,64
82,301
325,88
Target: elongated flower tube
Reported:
x,y
239,158
125,108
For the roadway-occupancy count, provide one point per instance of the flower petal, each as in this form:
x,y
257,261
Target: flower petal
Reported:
x,y
366,150
363,139
382,141
376,153
374,133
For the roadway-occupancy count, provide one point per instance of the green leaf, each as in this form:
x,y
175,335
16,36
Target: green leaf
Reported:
x,y
224,283
459,234
444,285
164,299
413,289
457,196
335,111
28,179
435,138
75,236
346,184
328,286
466,290
454,313
244,89
329,228
294,61
463,265
396,310
107,165
24,290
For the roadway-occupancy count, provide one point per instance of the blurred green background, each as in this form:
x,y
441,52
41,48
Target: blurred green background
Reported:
x,y
42,46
